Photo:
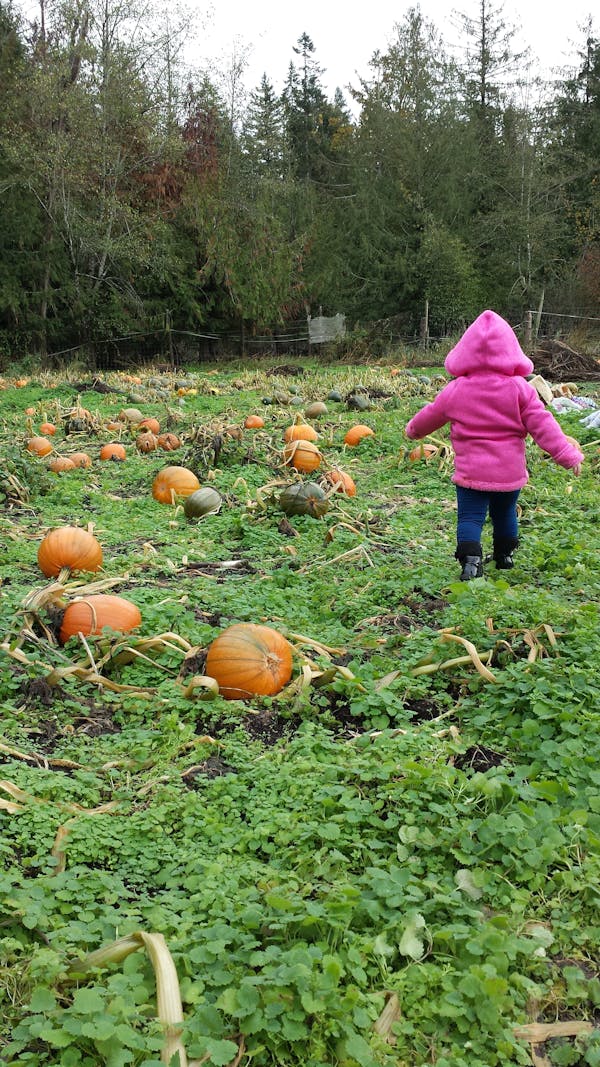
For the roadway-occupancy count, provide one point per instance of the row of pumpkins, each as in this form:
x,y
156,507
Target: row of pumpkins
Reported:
x,y
245,660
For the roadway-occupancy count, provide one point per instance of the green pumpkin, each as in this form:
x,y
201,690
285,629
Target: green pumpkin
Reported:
x,y
315,410
204,501
335,395
304,498
358,402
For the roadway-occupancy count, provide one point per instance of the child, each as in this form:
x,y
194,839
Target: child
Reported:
x,y
491,408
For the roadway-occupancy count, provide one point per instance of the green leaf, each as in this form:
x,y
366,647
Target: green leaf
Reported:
x,y
410,943
42,1000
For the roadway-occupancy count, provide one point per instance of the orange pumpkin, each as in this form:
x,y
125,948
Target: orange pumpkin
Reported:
x,y
356,434
172,482
151,424
254,422
422,451
146,442
69,546
114,451
21,382
48,429
300,431
81,459
29,410
91,614
40,446
168,441
60,463
341,482
248,660
302,455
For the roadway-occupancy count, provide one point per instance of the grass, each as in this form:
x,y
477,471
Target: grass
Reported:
x,y
393,861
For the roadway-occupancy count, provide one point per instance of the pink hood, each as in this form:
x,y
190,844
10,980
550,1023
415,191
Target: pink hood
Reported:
x,y
488,344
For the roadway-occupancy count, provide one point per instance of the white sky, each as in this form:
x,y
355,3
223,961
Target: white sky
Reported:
x,y
267,30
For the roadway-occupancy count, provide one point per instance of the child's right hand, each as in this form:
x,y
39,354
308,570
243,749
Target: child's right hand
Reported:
x,y
576,470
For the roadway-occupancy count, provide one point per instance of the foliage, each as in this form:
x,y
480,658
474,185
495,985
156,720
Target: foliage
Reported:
x,y
394,832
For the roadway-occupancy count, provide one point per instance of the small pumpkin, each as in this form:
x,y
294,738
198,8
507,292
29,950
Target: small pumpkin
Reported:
x,y
172,482
205,501
249,660
341,482
304,498
57,464
69,546
254,422
81,459
92,614
21,382
356,434
335,395
114,451
358,402
422,451
316,410
302,455
168,441
48,429
146,442
39,446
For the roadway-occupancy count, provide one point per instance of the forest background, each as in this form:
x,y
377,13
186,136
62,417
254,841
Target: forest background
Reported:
x,y
137,195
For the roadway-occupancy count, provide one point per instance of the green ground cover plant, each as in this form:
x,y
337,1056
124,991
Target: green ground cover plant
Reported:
x,y
392,861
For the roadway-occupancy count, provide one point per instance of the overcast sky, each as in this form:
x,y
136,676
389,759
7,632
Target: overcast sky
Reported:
x,y
267,30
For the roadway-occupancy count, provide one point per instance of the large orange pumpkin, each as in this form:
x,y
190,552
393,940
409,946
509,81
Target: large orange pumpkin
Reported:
x,y
356,434
40,446
172,482
69,546
341,482
302,455
91,614
249,660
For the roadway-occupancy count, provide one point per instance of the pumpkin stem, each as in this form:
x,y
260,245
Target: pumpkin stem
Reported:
x,y
63,575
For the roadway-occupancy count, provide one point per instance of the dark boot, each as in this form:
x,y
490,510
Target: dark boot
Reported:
x,y
470,555
503,552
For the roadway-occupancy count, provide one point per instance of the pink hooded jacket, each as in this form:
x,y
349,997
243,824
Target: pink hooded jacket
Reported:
x,y
491,409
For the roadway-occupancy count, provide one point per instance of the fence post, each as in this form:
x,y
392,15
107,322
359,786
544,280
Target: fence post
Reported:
x,y
425,326
528,333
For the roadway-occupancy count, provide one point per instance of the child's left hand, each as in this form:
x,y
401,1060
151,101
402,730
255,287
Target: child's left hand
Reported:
x,y
576,470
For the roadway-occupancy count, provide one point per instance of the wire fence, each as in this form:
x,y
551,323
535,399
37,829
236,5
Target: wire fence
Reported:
x,y
174,348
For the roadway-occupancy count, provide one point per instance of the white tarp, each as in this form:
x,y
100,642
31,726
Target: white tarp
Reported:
x,y
321,329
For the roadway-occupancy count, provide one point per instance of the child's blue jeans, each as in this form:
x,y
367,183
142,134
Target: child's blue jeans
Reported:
x,y
473,506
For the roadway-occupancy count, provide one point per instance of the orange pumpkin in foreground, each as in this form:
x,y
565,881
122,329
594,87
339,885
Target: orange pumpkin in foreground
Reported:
x,y
69,546
249,660
91,614
302,455
356,434
172,482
